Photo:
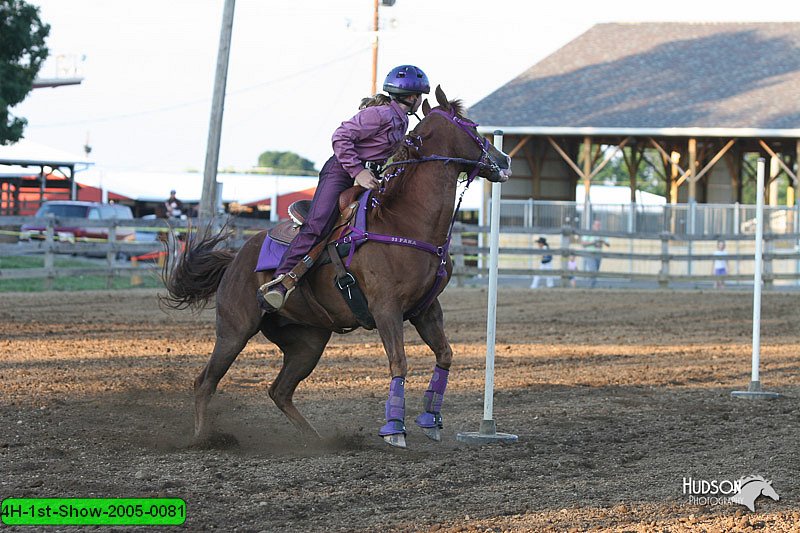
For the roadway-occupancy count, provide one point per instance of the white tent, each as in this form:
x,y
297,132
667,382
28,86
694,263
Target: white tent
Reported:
x,y
25,152
155,186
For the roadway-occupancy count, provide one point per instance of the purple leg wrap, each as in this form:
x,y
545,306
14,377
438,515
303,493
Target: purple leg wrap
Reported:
x,y
432,400
395,409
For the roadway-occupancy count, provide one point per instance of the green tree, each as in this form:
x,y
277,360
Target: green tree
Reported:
x,y
285,161
22,52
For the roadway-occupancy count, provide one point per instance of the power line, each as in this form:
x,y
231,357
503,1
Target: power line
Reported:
x,y
190,103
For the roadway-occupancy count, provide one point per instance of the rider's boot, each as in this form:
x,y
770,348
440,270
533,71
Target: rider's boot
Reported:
x,y
273,295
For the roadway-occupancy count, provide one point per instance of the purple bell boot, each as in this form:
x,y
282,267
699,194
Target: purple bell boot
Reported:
x,y
395,409
432,401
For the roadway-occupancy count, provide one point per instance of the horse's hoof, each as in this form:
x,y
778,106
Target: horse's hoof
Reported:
x,y
433,433
216,440
398,440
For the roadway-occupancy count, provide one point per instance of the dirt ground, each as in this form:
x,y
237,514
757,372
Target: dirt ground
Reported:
x,y
616,398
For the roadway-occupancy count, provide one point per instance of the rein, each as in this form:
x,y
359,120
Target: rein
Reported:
x,y
356,235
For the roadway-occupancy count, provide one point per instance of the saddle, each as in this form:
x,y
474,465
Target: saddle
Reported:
x,y
287,230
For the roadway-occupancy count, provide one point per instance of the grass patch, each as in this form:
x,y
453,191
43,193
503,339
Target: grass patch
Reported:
x,y
149,279
77,283
37,261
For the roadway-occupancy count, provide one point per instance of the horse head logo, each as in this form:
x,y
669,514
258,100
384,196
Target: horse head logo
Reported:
x,y
751,487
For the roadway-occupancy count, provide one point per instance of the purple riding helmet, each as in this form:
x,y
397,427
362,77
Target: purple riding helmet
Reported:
x,y
405,80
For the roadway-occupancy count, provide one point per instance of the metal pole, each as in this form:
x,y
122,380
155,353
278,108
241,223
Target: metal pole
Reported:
x,y
208,198
757,275
754,390
491,316
488,429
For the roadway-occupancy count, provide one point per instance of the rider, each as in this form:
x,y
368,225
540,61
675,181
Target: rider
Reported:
x,y
360,144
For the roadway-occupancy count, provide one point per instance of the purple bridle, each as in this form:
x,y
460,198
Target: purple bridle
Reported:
x,y
356,235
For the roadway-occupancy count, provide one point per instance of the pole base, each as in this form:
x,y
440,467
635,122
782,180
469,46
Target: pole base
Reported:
x,y
487,435
754,392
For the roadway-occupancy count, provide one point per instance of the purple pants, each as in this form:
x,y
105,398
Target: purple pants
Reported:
x,y
333,181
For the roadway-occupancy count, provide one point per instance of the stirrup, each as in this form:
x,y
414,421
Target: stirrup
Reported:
x,y
274,298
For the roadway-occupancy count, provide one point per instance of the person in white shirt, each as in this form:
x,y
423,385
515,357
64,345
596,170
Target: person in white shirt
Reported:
x,y
720,265
546,264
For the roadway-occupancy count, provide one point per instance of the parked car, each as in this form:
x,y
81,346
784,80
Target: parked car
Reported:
x,y
76,209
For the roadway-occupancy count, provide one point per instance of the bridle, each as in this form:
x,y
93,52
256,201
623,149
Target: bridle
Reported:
x,y
468,127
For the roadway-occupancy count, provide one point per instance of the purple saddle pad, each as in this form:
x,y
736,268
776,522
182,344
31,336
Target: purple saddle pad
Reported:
x,y
272,251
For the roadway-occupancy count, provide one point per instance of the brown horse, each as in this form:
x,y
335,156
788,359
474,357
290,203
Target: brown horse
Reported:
x,y
417,204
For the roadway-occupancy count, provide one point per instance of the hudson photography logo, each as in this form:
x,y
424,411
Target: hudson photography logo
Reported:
x,y
744,491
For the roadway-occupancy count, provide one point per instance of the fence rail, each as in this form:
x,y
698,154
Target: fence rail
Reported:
x,y
662,259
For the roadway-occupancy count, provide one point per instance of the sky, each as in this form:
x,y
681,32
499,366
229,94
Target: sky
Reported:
x,y
298,68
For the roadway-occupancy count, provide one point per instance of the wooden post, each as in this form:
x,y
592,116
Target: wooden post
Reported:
x,y
772,184
587,181
49,257
458,260
208,199
663,274
136,279
111,254
566,235
692,170
768,250
375,26
797,181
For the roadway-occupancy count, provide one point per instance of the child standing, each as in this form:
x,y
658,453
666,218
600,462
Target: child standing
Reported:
x,y
720,265
572,266
546,264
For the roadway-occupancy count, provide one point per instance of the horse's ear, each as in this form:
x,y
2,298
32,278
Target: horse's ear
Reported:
x,y
426,108
441,98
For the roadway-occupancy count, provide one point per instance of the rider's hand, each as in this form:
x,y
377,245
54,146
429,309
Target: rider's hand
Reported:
x,y
367,179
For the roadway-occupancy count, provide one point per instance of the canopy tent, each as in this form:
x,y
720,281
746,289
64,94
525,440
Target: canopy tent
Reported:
x,y
28,169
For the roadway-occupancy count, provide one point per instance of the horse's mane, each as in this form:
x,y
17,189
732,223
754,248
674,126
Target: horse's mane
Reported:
x,y
408,150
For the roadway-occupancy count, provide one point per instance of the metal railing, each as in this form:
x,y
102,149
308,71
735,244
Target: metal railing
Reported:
x,y
678,219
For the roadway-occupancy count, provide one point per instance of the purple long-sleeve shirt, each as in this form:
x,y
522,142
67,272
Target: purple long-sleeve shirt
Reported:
x,y
371,135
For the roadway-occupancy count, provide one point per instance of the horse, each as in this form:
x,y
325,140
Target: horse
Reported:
x,y
416,206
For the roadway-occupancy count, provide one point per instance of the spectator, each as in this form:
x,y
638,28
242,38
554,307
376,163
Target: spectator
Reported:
x,y
546,264
572,266
593,243
720,265
173,206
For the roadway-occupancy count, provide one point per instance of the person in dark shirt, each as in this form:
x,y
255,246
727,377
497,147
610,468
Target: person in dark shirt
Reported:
x,y
173,206
545,264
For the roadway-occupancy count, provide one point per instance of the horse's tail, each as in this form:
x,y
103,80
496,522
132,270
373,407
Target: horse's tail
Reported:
x,y
192,275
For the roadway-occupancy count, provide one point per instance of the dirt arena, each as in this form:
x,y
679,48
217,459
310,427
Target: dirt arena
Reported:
x,y
616,398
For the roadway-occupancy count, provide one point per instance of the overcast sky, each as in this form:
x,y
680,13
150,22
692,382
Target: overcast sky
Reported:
x,y
297,68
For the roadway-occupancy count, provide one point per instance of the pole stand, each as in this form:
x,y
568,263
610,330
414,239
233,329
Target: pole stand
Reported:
x,y
754,392
486,435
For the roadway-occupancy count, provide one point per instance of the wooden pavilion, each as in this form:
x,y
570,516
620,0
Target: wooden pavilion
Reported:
x,y
701,95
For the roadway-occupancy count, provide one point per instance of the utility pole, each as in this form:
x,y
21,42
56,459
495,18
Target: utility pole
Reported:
x,y
208,200
375,26
375,50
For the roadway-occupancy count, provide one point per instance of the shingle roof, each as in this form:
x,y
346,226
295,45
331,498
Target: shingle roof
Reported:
x,y
658,75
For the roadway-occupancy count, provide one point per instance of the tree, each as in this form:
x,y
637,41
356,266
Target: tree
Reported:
x,y
22,53
285,161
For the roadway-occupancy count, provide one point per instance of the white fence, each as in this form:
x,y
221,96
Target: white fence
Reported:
x,y
679,219
662,246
